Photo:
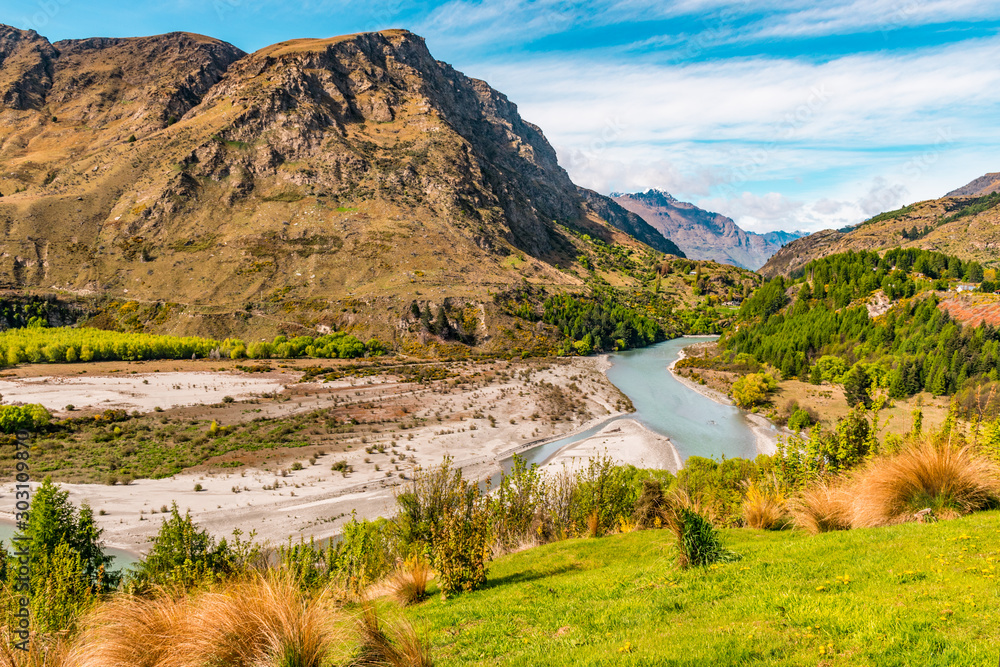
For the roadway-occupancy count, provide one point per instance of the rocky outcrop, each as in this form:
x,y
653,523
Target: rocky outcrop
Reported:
x,y
627,221
25,68
702,234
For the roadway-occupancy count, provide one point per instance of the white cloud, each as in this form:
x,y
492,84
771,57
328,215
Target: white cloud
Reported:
x,y
815,131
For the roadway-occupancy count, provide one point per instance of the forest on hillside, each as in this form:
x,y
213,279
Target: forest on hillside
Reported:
x,y
821,311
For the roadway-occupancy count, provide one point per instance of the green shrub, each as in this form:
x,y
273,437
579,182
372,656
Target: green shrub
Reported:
x,y
367,552
698,542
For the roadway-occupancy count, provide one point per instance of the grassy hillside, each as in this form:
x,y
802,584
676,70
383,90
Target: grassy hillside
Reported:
x,y
914,594
965,227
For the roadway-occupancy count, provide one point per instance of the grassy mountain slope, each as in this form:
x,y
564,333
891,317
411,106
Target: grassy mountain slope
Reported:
x,y
312,184
910,594
964,226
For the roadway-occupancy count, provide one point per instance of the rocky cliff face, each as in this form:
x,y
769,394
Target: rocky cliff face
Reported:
x,y
702,234
619,217
303,177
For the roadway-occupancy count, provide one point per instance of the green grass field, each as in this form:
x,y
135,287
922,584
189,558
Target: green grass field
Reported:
x,y
914,594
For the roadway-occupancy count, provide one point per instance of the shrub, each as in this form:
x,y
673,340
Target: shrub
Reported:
x,y
763,509
605,489
822,508
949,480
367,553
515,505
461,543
697,541
800,420
409,583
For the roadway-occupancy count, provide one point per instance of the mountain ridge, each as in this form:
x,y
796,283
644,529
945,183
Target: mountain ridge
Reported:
x,y
318,183
962,225
702,234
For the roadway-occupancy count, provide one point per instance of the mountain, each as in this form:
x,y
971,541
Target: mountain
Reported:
x,y
702,234
984,185
314,183
628,222
964,225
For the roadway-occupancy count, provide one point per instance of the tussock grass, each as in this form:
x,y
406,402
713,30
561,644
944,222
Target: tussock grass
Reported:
x,y
261,621
394,644
763,508
409,583
130,630
41,653
822,508
949,480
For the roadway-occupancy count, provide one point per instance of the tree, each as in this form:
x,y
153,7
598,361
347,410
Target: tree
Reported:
x,y
441,326
182,553
856,385
752,390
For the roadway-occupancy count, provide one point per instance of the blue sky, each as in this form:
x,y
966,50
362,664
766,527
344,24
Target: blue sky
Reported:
x,y
781,114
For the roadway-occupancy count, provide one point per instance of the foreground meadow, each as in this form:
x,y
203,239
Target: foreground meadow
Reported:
x,y
912,594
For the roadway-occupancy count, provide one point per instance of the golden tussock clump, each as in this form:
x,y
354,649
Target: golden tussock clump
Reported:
x,y
409,583
393,645
764,509
263,621
822,508
949,480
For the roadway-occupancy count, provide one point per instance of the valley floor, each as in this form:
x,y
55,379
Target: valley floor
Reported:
x,y
479,416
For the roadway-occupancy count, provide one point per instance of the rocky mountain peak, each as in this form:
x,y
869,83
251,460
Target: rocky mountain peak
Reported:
x,y
25,68
984,185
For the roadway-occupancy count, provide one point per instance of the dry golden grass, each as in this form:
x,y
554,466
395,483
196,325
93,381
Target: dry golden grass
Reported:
x,y
594,524
392,645
409,583
822,508
253,623
40,653
764,509
949,480
129,630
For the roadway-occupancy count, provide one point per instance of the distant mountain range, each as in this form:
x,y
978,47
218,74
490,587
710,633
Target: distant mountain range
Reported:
x,y
702,234
964,223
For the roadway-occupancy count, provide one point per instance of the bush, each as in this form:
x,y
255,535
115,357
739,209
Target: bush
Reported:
x,y
821,509
367,553
516,504
800,420
605,490
697,541
461,546
947,479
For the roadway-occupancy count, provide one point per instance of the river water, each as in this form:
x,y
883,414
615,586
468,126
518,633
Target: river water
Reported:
x,y
697,425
